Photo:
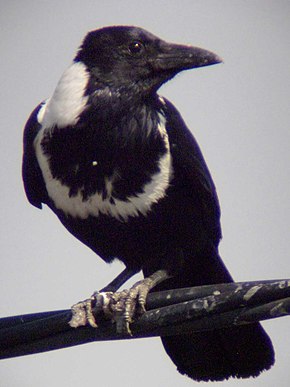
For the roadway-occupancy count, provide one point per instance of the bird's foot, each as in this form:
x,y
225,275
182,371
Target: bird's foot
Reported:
x,y
121,307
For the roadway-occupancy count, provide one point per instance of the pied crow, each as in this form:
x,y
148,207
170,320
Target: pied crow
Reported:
x,y
118,166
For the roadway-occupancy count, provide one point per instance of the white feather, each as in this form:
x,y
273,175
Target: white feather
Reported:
x,y
68,100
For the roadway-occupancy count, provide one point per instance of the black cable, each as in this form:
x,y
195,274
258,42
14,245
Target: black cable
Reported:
x,y
168,312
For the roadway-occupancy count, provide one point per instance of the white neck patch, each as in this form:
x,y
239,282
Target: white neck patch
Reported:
x,y
68,100
95,204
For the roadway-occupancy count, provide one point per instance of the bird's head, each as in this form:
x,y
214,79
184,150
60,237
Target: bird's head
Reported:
x,y
131,58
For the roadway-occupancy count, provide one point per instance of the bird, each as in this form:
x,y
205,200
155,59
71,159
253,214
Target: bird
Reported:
x,y
118,166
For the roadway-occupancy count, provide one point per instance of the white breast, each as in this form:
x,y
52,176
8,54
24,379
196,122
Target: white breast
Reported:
x,y
95,204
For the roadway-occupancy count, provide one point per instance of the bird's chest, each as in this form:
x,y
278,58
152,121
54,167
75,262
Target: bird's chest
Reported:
x,y
88,173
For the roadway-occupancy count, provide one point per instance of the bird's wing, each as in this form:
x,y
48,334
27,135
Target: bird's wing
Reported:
x,y
32,177
189,161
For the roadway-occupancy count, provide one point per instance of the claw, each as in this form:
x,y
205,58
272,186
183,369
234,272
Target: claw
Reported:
x,y
129,304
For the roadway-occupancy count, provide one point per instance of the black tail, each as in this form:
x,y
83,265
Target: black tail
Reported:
x,y
234,352
238,352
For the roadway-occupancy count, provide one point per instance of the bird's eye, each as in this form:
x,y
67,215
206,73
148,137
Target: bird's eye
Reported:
x,y
136,48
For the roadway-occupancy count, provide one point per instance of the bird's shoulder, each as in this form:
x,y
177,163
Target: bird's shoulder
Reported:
x,y
189,164
32,177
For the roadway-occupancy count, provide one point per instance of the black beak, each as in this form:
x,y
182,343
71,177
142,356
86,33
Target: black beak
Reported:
x,y
173,58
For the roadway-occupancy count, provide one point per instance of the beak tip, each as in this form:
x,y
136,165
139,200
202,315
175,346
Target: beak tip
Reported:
x,y
214,59
205,58
219,59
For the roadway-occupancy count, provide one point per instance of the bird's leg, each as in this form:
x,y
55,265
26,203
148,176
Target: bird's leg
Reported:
x,y
117,282
121,307
82,312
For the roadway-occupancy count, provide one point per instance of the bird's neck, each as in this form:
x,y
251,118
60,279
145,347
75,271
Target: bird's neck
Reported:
x,y
80,94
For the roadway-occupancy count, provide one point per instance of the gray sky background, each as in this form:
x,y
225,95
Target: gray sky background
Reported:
x,y
239,113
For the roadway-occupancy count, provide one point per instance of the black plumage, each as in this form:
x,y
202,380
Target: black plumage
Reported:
x,y
119,167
